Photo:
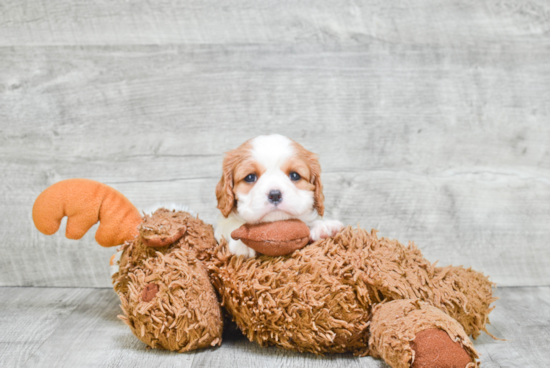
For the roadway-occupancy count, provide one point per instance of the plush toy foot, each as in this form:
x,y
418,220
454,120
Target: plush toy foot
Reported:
x,y
434,348
409,333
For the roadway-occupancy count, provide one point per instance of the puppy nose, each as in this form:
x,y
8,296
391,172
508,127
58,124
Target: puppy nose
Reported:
x,y
275,196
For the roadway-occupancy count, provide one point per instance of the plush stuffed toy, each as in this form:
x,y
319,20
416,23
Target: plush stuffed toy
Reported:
x,y
354,292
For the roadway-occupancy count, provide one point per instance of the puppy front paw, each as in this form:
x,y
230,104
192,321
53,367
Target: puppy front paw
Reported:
x,y
239,248
323,229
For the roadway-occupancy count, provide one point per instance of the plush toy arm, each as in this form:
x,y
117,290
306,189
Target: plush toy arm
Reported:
x,y
410,333
85,202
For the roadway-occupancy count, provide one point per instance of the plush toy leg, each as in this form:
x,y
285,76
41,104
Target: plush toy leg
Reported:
x,y
169,303
410,333
399,272
165,292
470,303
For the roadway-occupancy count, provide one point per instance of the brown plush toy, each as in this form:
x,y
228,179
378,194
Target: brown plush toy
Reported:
x,y
355,292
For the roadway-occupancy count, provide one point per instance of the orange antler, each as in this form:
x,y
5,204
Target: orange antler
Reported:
x,y
85,202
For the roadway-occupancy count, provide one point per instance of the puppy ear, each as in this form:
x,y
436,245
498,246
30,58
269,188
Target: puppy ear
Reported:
x,y
224,191
318,196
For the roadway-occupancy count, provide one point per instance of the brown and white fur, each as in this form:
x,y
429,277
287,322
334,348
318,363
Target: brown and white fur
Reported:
x,y
277,193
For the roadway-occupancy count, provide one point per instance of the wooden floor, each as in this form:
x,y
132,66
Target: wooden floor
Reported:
x,y
78,327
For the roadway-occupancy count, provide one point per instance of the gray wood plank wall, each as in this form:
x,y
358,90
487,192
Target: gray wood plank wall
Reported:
x,y
431,118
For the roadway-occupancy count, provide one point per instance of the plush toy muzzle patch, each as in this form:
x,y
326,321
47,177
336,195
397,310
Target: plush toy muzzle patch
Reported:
x,y
277,238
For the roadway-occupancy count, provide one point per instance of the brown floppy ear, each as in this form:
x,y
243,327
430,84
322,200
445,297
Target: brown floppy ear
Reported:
x,y
318,196
224,191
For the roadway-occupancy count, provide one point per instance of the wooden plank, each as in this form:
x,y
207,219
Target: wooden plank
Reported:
x,y
522,317
63,22
29,316
87,333
445,146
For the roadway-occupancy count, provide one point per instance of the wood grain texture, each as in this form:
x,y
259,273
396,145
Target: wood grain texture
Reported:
x,y
78,327
81,22
30,316
522,317
441,145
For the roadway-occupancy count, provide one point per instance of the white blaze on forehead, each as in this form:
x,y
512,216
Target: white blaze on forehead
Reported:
x,y
272,150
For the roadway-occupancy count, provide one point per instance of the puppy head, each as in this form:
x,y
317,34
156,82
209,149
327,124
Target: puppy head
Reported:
x,y
270,178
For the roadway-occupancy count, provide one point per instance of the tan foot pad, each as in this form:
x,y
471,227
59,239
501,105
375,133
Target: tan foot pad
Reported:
x,y
434,349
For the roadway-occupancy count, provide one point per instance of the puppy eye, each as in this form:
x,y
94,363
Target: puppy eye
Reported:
x,y
294,176
250,178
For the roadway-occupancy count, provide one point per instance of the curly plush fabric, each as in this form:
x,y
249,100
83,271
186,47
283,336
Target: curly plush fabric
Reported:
x,y
319,299
165,293
351,293
331,296
395,325
308,301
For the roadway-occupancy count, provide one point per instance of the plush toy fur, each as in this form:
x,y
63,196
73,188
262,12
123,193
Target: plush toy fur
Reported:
x,y
332,296
355,292
183,313
320,298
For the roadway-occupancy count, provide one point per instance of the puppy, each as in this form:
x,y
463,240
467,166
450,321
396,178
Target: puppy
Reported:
x,y
271,178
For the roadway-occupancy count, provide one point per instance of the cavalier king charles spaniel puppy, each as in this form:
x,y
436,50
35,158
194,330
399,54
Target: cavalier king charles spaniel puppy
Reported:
x,y
271,178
